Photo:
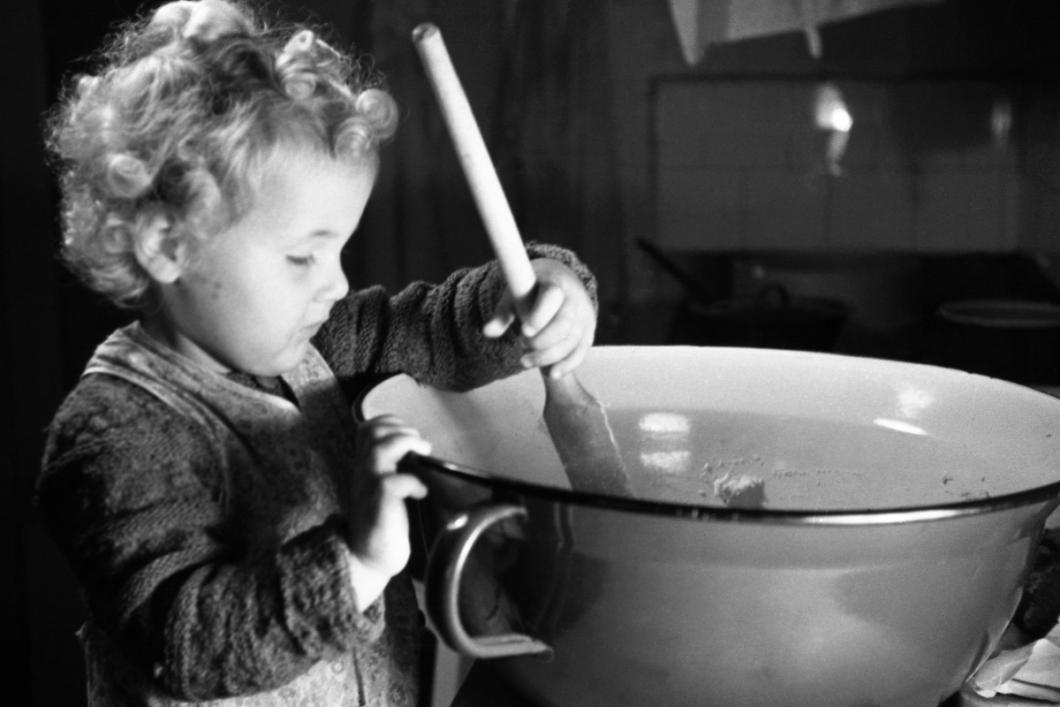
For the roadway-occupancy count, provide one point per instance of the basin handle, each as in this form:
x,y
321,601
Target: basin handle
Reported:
x,y
445,568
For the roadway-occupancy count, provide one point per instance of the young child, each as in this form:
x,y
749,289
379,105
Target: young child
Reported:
x,y
238,539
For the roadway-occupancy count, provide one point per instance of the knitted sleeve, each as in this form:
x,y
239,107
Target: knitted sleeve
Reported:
x,y
130,494
431,332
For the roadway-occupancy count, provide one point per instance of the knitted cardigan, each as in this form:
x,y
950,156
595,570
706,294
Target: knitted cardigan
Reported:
x,y
182,603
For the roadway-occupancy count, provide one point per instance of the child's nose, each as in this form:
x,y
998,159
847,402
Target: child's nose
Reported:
x,y
336,286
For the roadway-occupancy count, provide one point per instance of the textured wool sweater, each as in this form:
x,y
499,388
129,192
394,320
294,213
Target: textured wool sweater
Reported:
x,y
204,518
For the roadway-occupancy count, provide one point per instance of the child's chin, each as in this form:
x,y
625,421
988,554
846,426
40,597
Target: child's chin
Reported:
x,y
289,359
278,365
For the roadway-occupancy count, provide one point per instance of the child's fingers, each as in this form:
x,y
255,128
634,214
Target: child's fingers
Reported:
x,y
566,354
398,487
383,441
566,364
503,317
392,448
560,329
547,304
386,424
564,340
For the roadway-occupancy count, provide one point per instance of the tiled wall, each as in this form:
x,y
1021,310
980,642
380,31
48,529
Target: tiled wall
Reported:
x,y
738,164
1040,212
962,196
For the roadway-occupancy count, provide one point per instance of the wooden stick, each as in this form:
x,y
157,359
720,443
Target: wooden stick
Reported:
x,y
576,421
478,167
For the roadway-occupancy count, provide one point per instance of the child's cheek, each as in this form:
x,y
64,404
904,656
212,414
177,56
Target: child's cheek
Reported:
x,y
209,286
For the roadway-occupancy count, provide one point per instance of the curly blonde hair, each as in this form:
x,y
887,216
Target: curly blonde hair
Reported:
x,y
188,104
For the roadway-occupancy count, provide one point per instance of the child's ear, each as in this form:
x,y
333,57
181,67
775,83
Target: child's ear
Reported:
x,y
160,251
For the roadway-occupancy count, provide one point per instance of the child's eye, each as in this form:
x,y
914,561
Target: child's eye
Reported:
x,y
300,260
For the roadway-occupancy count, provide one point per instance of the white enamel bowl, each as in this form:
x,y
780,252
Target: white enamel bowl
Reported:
x,y
903,504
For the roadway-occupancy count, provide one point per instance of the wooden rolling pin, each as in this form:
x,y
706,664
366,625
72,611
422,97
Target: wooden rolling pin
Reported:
x,y
575,419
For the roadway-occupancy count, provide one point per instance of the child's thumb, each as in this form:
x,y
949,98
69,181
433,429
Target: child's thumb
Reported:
x,y
502,319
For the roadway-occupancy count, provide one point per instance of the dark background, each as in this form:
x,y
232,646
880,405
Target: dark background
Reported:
x,y
421,223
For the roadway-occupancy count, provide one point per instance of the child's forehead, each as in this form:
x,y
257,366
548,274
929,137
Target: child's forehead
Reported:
x,y
299,192
299,161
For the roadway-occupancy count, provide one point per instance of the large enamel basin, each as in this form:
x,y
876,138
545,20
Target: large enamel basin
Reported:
x,y
902,506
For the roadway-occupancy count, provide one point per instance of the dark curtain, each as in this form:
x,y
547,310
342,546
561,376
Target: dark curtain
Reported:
x,y
554,135
537,76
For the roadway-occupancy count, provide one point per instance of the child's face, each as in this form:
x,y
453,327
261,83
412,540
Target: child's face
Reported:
x,y
259,290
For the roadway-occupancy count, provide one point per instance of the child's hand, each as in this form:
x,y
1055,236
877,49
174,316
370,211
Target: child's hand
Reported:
x,y
561,324
379,537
